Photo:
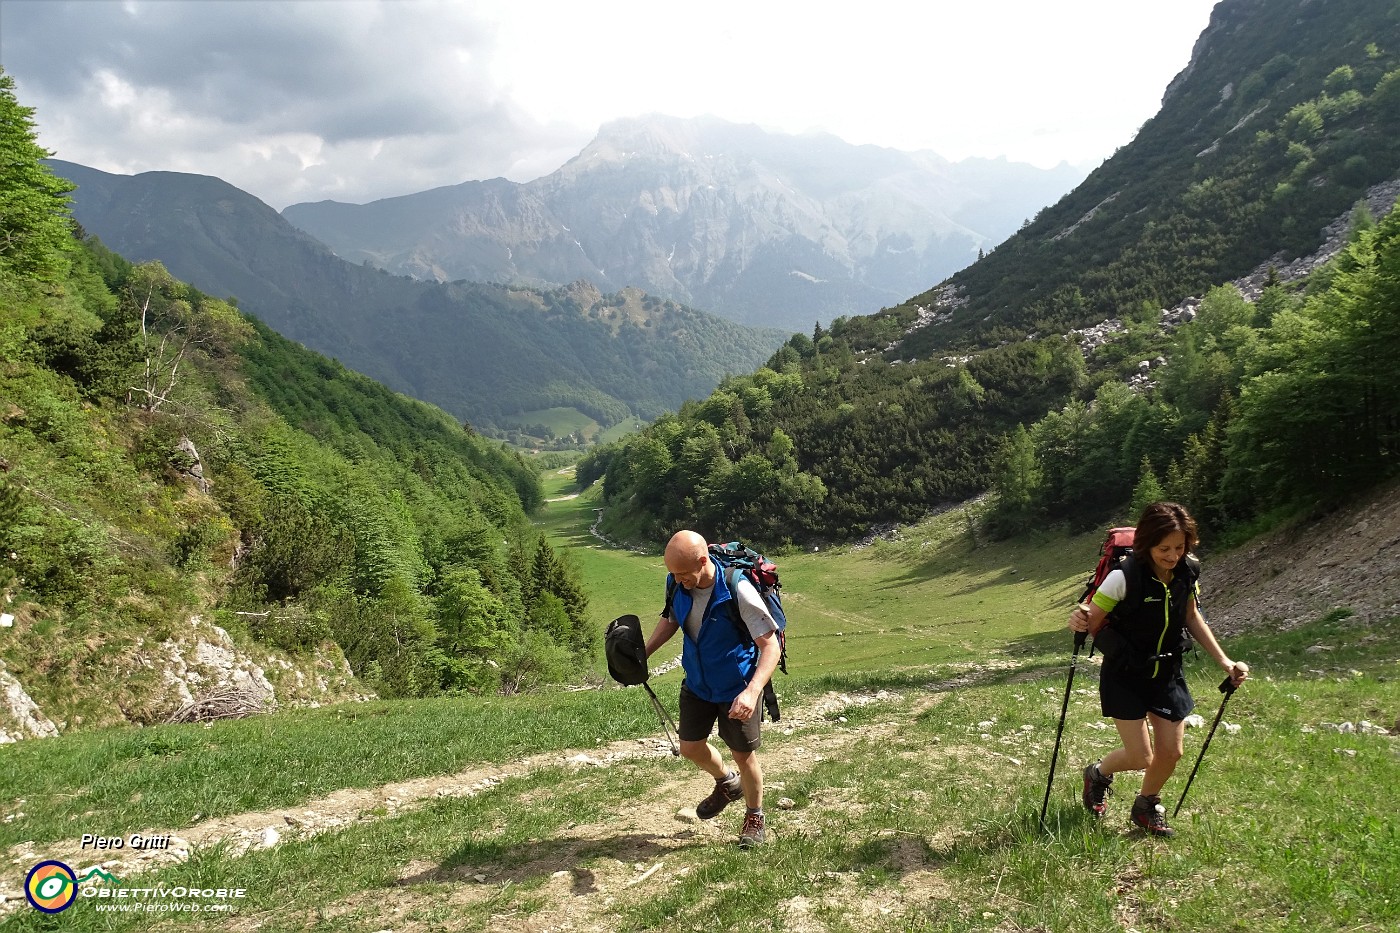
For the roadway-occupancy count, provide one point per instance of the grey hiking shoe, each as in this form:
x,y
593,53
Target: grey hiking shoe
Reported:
x,y
1149,814
752,833
1096,787
726,792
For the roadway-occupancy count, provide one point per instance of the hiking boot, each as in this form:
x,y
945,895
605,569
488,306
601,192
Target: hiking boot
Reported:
x,y
1096,787
1149,814
752,833
726,792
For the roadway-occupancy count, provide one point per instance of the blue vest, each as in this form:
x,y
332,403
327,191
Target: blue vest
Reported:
x,y
719,663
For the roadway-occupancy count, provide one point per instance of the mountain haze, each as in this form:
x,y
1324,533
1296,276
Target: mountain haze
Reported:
x,y
1099,356
760,227
483,352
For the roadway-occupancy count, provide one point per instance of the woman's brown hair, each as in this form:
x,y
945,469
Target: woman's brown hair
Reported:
x,y
1159,520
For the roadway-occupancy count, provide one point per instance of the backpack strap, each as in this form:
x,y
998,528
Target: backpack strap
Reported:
x,y
770,695
1133,594
731,580
1133,591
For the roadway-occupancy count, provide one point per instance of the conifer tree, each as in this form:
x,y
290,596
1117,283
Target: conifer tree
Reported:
x,y
1147,491
35,226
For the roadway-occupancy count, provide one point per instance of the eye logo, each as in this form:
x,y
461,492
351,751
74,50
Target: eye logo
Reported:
x,y
50,887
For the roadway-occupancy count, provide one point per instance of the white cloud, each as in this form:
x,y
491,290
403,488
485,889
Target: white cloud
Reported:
x,y
355,99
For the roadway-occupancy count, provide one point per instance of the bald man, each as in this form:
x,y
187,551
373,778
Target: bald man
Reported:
x,y
725,673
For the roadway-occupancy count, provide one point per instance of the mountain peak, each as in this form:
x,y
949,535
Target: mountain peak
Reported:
x,y
654,134
763,227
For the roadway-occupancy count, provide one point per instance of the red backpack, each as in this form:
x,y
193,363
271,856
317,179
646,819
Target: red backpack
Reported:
x,y
1117,547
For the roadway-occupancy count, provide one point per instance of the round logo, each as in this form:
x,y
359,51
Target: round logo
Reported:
x,y
51,887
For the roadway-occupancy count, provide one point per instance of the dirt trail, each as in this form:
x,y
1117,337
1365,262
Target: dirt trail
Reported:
x,y
266,828
627,850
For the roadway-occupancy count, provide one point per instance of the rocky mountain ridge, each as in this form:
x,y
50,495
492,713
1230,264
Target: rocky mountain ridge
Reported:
x,y
940,303
760,227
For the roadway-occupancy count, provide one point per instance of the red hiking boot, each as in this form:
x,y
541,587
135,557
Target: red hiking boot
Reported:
x,y
1149,814
1096,788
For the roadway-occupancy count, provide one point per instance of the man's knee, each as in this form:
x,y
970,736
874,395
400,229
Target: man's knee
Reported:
x,y
696,751
745,760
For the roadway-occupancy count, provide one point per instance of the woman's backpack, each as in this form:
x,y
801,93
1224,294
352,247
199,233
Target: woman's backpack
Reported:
x,y
1117,547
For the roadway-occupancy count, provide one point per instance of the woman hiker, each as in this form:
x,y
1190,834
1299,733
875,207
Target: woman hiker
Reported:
x,y
1139,618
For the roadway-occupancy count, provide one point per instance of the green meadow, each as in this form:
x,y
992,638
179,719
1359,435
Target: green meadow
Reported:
x,y
565,421
905,781
927,595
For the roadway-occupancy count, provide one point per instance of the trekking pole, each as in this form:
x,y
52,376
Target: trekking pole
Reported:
x,y
1079,639
1227,687
665,718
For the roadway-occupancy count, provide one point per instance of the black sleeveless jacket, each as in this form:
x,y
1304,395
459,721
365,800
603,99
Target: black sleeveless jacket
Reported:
x,y
1146,634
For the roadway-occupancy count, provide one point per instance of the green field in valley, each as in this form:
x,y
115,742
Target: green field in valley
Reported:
x,y
926,595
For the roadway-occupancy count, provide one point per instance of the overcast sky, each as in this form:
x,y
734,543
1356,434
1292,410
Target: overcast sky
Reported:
x,y
301,100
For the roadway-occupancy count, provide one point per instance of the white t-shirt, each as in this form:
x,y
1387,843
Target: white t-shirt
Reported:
x,y
1115,587
751,609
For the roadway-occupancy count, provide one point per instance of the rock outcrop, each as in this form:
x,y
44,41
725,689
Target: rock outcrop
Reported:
x,y
149,681
20,716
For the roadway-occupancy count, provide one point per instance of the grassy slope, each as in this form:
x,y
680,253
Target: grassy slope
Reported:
x,y
897,604
559,420
911,814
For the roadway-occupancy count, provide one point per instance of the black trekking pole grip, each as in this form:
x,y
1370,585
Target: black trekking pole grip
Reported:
x,y
1227,687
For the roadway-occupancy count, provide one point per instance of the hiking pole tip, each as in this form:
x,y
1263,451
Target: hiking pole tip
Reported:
x,y
1227,687
1079,638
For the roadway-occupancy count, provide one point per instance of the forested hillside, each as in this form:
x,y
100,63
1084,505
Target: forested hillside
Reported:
x,y
163,457
1288,111
1285,116
486,353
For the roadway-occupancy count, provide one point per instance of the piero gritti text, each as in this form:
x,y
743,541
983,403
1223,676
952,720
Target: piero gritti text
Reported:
x,y
134,841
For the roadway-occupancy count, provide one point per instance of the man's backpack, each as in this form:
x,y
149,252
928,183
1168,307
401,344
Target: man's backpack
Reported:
x,y
736,559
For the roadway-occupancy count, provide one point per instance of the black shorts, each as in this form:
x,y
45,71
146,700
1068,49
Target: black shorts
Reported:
x,y
1123,696
698,719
